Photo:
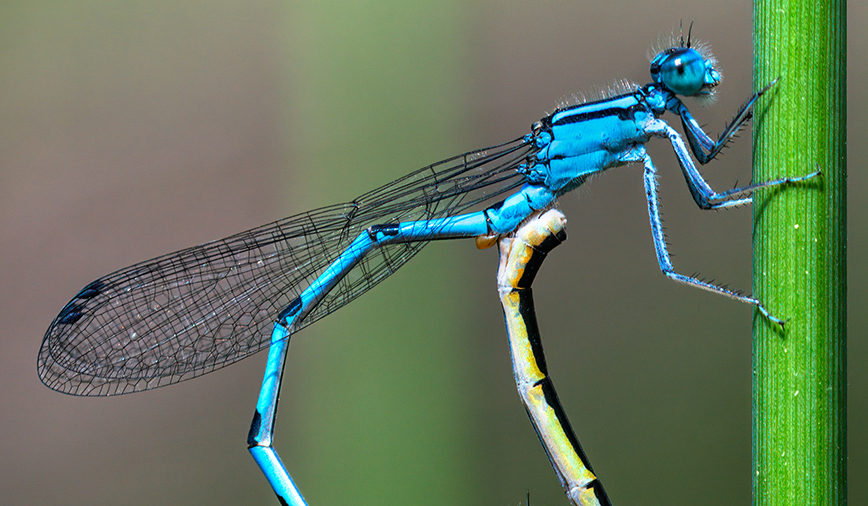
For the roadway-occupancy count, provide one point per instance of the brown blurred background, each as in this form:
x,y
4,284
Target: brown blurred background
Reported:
x,y
133,129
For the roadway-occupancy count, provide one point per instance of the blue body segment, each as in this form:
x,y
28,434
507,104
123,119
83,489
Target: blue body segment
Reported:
x,y
191,312
591,138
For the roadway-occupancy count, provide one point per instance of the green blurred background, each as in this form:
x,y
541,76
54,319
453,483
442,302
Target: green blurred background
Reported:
x,y
130,129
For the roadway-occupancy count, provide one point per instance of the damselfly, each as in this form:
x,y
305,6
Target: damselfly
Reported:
x,y
188,313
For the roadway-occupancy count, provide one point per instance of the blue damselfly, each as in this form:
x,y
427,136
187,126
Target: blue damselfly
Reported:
x,y
188,313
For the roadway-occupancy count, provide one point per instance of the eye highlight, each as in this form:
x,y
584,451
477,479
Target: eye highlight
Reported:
x,y
684,71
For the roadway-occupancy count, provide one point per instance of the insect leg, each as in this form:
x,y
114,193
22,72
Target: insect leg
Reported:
x,y
700,141
703,195
650,177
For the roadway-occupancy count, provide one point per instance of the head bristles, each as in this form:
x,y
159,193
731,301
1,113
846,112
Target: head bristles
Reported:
x,y
676,39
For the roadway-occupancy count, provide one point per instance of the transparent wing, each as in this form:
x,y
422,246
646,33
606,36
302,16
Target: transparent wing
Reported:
x,y
188,313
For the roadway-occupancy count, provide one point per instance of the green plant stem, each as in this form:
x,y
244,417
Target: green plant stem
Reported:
x,y
799,380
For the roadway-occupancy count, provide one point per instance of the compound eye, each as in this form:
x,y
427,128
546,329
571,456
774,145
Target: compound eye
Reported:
x,y
682,70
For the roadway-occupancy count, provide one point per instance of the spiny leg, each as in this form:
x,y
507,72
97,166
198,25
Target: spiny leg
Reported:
x,y
661,249
697,137
703,195
521,255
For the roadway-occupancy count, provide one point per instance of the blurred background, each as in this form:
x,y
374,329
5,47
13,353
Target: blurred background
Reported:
x,y
133,129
